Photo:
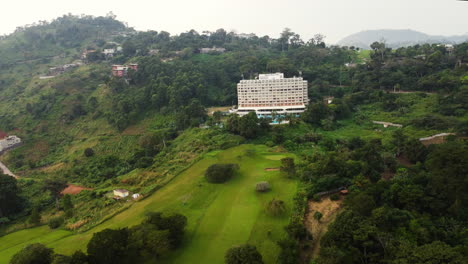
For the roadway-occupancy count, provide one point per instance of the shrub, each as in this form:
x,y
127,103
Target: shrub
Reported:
x,y
244,254
318,215
262,186
35,217
335,197
55,222
219,173
34,253
89,152
276,207
288,167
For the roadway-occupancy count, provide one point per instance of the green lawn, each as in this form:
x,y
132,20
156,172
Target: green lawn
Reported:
x,y
219,216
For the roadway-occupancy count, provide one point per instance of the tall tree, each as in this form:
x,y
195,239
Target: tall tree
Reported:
x,y
55,185
10,202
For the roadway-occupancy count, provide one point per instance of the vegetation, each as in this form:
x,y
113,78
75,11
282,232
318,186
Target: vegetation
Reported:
x,y
276,207
244,254
405,202
206,207
10,201
34,253
219,173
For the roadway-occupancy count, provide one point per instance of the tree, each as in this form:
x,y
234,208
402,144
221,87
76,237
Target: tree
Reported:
x,y
35,217
174,223
232,123
10,202
217,115
398,140
148,240
129,48
219,173
67,205
249,126
67,202
288,167
447,165
243,254
89,152
33,254
435,253
108,246
315,113
362,203
415,151
79,258
55,185
318,215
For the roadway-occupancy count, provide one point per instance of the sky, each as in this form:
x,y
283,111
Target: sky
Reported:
x,y
335,19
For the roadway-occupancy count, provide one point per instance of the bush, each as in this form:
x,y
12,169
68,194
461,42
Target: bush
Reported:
x,y
335,197
262,186
318,215
288,167
55,222
219,173
34,253
276,207
89,152
244,254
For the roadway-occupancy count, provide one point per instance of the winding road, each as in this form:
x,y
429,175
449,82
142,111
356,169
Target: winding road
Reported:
x,y
7,171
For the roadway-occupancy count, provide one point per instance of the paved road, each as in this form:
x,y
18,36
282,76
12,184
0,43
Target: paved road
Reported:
x,y
6,170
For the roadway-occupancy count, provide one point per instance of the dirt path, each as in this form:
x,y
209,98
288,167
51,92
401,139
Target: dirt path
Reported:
x,y
7,171
329,210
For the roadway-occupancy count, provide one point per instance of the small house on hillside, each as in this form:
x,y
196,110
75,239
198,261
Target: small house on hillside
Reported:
x,y
9,142
122,193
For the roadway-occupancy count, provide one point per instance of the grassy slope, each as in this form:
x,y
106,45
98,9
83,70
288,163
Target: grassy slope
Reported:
x,y
219,216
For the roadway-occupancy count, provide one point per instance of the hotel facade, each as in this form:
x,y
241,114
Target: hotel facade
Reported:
x,y
272,93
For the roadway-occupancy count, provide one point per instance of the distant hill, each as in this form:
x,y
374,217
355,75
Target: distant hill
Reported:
x,y
396,38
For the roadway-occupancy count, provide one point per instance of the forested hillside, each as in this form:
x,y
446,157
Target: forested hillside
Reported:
x,y
99,132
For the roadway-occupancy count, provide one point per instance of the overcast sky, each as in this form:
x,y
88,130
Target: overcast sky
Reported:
x,y
333,18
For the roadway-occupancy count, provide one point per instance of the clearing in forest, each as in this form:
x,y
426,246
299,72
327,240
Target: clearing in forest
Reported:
x,y
219,215
318,228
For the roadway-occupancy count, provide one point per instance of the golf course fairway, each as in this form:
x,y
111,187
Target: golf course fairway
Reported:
x,y
219,215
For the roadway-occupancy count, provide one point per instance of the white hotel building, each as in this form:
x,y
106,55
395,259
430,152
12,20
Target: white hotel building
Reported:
x,y
272,93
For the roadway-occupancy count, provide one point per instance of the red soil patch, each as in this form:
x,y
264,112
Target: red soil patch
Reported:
x,y
272,169
3,135
74,189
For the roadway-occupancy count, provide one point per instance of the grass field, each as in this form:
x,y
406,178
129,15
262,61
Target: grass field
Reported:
x,y
219,216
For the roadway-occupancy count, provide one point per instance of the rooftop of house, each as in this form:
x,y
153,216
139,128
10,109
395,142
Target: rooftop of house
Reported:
x,y
121,190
